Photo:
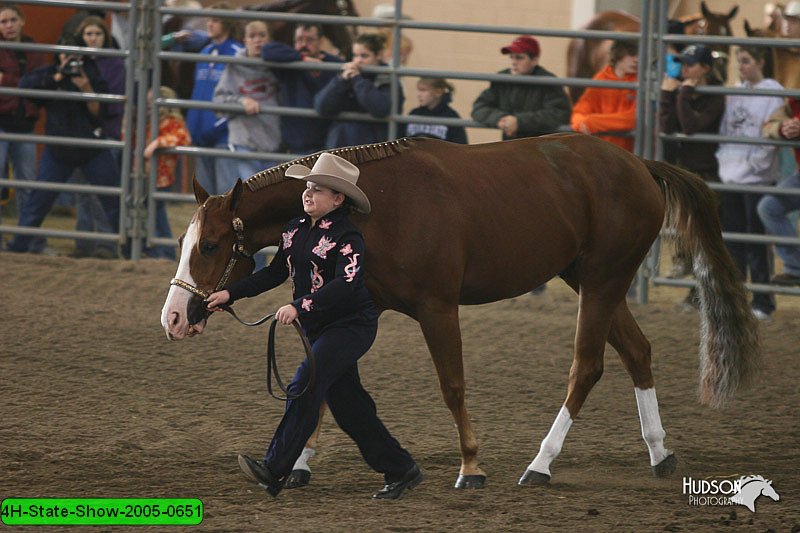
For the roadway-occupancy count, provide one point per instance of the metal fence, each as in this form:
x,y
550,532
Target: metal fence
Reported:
x,y
143,62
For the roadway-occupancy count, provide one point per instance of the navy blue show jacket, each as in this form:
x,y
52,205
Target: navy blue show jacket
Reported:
x,y
325,263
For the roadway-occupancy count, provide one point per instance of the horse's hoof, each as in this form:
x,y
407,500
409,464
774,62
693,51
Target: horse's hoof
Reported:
x,y
666,467
297,479
474,481
532,477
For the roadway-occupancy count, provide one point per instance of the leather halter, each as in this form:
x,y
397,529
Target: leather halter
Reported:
x,y
272,366
239,251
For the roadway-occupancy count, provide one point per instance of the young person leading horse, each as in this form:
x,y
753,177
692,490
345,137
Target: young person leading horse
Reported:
x,y
454,224
323,253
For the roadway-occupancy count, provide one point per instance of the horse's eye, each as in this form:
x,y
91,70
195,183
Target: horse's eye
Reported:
x,y
208,248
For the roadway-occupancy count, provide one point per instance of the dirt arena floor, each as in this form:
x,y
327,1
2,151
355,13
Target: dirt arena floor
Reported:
x,y
96,402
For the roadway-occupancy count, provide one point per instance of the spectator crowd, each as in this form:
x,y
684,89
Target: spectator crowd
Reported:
x,y
516,109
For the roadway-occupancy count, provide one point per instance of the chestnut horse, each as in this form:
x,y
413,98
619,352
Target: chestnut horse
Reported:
x,y
781,64
469,224
586,57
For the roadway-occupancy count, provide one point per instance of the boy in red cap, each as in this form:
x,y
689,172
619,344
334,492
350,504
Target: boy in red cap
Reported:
x,y
522,110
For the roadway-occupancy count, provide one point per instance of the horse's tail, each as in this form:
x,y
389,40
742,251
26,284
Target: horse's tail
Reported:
x,y
729,346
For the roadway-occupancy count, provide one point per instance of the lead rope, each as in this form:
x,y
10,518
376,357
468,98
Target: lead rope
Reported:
x,y
272,364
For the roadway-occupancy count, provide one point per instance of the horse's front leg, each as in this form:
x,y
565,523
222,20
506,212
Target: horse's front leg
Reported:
x,y
439,323
301,472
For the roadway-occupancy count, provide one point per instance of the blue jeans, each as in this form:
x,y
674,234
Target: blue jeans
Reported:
x,y
738,215
22,157
89,213
99,170
242,168
773,211
162,230
212,174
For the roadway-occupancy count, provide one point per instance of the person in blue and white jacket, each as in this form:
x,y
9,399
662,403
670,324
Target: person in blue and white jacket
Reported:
x,y
208,130
749,164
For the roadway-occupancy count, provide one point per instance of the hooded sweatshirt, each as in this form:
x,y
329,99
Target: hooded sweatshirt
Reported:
x,y
454,134
744,117
259,132
603,109
204,126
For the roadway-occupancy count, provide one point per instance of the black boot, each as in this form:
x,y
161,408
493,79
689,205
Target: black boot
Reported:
x,y
394,491
257,471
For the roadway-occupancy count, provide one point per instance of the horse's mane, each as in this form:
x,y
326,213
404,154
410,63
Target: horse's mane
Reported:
x,y
354,154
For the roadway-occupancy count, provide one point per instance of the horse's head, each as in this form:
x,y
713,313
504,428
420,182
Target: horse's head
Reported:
x,y
716,23
213,253
770,492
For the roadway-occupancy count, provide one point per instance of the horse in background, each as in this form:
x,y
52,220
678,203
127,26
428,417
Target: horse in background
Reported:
x,y
338,38
586,57
782,64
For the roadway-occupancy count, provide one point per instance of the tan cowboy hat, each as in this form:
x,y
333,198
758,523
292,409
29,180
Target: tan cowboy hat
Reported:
x,y
337,173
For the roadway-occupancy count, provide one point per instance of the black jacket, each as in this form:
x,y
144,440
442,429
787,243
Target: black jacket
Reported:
x,y
325,264
69,118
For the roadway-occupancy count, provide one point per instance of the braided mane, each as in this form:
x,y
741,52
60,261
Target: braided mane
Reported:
x,y
354,154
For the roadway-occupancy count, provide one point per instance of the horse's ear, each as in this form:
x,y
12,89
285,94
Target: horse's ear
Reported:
x,y
200,193
732,12
704,9
236,194
747,29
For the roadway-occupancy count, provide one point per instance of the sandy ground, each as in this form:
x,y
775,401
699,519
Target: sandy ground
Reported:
x,y
96,402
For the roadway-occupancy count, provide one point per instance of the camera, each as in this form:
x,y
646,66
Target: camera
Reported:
x,y
73,67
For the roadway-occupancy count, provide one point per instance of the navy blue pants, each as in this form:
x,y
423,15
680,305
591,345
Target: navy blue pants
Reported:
x,y
337,350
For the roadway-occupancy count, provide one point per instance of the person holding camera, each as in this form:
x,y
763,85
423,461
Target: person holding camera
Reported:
x,y
17,114
92,32
72,119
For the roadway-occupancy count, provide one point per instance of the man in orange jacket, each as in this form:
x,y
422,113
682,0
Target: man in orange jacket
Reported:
x,y
605,109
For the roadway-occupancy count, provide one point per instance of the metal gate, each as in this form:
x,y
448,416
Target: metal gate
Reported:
x,y
143,62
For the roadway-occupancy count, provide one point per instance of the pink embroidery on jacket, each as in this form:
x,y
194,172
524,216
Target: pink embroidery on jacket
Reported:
x,y
316,278
346,249
307,304
323,247
287,238
351,269
325,224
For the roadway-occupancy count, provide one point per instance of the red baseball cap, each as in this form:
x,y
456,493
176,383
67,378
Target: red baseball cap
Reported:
x,y
524,44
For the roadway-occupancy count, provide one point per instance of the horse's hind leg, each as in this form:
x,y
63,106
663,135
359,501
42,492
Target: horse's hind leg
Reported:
x,y
634,350
439,323
594,321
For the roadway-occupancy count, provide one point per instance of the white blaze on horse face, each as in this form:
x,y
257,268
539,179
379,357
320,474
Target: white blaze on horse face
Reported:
x,y
652,431
174,315
552,443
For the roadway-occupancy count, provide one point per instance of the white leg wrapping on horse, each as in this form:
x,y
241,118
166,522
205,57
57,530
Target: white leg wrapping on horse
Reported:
x,y
302,461
652,431
551,445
